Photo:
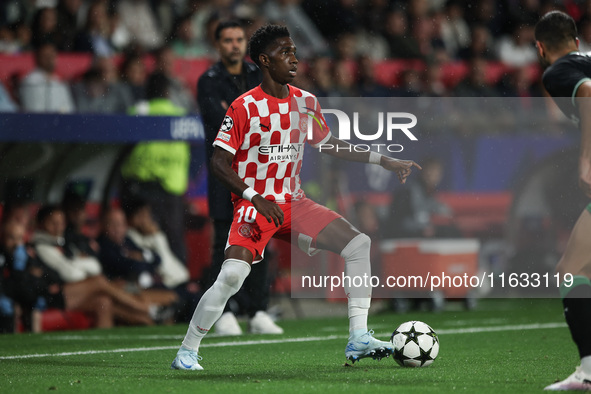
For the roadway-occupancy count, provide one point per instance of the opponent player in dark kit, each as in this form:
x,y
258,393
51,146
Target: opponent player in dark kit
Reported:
x,y
258,156
568,80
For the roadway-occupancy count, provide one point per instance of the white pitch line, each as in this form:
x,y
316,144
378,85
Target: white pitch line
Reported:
x,y
471,330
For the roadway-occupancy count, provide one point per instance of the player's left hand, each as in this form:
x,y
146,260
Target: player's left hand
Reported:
x,y
402,168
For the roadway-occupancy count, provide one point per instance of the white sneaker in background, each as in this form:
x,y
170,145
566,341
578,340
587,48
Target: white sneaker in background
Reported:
x,y
261,323
227,325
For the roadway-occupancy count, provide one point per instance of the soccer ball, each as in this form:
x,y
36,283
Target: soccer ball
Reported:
x,y
415,344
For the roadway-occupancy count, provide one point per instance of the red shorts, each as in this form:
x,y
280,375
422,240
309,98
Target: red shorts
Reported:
x,y
303,221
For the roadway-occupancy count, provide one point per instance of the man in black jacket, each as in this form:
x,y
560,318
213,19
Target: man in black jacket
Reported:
x,y
217,88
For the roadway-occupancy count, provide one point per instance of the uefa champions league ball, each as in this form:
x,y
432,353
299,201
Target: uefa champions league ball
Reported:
x,y
415,344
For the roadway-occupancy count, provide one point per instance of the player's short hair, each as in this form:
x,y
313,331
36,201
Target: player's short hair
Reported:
x,y
262,38
229,24
556,29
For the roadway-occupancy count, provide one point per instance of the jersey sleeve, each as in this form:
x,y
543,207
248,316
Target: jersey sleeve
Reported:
x,y
232,130
320,130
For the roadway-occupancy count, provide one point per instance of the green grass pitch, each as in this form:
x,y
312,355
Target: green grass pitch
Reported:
x,y
504,346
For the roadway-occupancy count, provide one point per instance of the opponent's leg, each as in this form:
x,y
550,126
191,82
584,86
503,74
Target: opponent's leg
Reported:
x,y
576,300
233,273
340,237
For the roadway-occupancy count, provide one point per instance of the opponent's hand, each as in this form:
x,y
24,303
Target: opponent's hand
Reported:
x,y
585,175
268,209
402,168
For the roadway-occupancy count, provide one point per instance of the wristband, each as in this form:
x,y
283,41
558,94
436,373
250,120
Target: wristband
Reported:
x,y
374,158
249,193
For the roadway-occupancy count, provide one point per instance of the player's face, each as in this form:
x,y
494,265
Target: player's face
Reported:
x,y
232,45
283,64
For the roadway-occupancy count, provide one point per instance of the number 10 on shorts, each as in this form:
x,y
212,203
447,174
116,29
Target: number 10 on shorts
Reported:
x,y
249,216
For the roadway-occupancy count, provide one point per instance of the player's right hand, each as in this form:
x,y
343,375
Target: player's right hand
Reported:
x,y
268,209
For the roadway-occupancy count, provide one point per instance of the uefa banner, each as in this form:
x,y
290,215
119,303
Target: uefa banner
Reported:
x,y
488,215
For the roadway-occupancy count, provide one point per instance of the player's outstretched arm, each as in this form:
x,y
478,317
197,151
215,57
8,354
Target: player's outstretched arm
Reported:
x,y
584,104
221,166
344,150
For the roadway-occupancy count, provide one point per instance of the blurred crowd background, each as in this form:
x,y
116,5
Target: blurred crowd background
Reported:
x,y
352,48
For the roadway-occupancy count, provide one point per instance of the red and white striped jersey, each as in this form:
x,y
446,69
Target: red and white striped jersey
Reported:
x,y
267,136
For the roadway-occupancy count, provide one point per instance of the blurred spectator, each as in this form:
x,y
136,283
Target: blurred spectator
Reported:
x,y
7,247
76,282
481,44
8,42
74,208
6,102
415,209
345,46
94,94
410,84
158,171
120,257
426,38
454,29
584,31
44,28
518,49
42,90
367,86
488,13
402,46
96,35
321,76
177,91
201,14
134,76
475,84
344,78
303,31
524,11
140,266
519,83
334,17
18,211
14,11
23,36
433,85
67,23
133,267
146,234
138,18
166,12
182,43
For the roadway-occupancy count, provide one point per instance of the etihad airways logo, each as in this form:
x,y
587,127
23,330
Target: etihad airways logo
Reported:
x,y
281,152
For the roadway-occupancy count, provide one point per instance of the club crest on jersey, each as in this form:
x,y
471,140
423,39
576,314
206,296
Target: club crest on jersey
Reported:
x,y
227,124
245,230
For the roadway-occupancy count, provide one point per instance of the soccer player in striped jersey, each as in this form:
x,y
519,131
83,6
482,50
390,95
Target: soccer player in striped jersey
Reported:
x,y
258,156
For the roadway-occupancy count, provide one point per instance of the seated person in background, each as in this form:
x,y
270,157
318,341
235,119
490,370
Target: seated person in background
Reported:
x,y
82,284
145,233
127,263
74,207
415,208
6,303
